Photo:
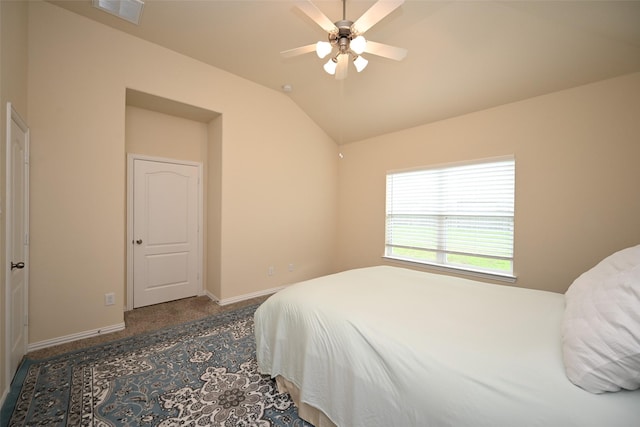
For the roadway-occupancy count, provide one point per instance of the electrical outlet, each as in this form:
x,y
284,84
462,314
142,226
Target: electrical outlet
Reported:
x,y
291,267
109,299
270,271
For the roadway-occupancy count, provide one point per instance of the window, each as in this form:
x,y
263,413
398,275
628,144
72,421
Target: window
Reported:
x,y
457,216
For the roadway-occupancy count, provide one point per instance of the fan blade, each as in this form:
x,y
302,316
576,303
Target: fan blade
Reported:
x,y
298,51
385,50
374,14
317,16
343,66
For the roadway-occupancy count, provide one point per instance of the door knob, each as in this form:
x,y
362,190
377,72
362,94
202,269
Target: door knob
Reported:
x,y
19,265
139,241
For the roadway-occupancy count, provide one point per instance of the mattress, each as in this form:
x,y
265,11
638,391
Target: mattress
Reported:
x,y
388,346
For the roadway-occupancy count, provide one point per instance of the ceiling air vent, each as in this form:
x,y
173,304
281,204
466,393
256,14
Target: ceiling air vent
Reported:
x,y
129,10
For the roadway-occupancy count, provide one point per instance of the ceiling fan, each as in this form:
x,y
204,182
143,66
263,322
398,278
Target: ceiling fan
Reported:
x,y
346,42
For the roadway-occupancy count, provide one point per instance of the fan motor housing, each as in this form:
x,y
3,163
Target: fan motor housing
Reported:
x,y
344,35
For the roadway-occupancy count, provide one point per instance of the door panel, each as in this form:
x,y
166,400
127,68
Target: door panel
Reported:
x,y
165,230
167,269
17,249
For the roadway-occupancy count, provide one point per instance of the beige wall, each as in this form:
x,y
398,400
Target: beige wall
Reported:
x,y
13,88
213,225
577,177
157,134
277,185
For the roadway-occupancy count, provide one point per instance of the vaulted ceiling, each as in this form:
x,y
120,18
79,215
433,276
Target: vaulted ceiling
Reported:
x,y
463,56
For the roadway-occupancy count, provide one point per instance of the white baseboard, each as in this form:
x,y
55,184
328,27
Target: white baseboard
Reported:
x,y
244,297
120,326
74,337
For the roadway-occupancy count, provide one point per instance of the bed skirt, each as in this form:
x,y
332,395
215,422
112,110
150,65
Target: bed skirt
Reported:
x,y
306,412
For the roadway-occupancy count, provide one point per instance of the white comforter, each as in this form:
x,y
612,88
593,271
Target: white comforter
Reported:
x,y
393,347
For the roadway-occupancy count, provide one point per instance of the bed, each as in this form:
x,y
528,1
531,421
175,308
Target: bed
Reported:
x,y
389,346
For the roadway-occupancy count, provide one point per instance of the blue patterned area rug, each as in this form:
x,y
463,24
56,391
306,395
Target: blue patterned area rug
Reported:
x,y
202,373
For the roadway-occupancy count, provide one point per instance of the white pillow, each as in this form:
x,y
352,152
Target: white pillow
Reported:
x,y
601,325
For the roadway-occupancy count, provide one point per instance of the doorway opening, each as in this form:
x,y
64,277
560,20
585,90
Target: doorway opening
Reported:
x,y
171,133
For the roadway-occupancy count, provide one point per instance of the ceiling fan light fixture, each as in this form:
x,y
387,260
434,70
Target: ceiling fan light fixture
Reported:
x,y
330,66
346,41
360,63
358,45
323,49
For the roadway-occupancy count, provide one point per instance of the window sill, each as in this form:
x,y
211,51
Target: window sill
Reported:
x,y
459,271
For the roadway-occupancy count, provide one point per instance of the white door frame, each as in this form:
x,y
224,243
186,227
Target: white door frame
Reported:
x,y
130,237
13,116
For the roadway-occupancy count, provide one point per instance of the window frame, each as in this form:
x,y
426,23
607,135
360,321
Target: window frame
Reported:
x,y
507,276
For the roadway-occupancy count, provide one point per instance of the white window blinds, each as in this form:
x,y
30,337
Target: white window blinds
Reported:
x,y
459,216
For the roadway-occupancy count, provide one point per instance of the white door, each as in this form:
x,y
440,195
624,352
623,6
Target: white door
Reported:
x,y
17,239
165,231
